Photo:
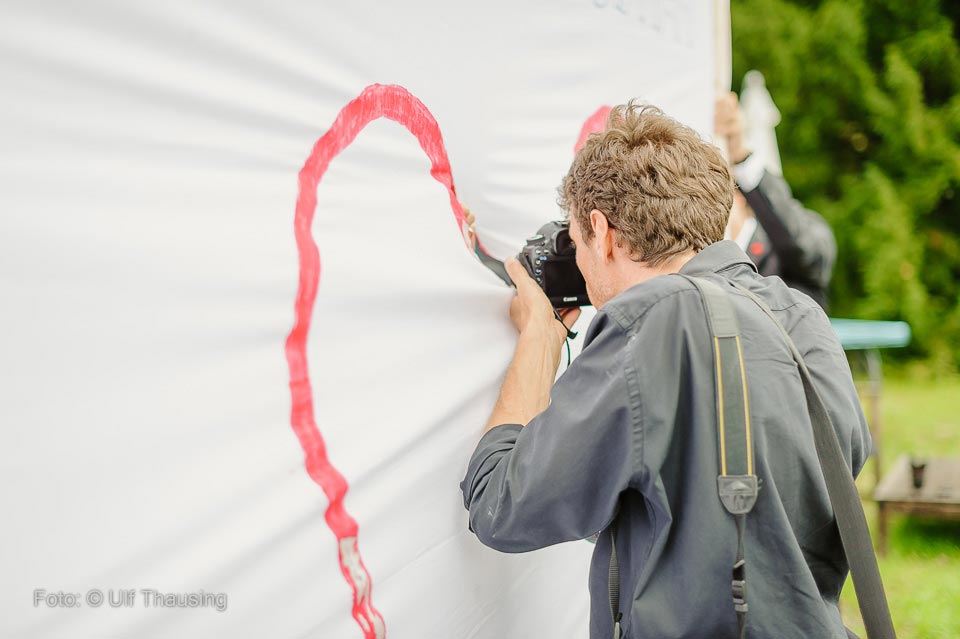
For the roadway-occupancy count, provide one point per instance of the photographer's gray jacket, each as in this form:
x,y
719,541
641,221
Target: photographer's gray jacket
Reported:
x,y
632,427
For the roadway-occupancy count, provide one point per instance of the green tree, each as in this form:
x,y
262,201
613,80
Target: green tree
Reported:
x,y
869,91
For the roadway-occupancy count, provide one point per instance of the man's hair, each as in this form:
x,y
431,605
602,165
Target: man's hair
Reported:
x,y
659,184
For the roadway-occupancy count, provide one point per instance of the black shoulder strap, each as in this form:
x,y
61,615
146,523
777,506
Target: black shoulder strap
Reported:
x,y
737,484
844,499
733,403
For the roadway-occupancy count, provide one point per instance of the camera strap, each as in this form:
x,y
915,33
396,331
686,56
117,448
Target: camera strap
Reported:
x,y
492,263
737,485
844,498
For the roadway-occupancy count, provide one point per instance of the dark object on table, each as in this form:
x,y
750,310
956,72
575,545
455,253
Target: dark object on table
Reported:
x,y
916,468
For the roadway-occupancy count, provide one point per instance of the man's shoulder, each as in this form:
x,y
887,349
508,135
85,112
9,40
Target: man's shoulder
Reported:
x,y
666,293
675,298
791,305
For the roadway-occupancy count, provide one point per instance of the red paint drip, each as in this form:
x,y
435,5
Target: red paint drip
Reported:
x,y
376,101
594,123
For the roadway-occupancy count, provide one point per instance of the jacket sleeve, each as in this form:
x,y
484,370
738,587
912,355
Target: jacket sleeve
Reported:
x,y
831,374
801,238
558,478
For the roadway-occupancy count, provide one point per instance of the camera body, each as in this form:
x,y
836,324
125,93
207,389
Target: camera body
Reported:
x,y
551,260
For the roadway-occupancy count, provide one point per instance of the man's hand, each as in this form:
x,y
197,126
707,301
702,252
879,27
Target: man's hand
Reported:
x,y
526,387
530,310
471,226
728,123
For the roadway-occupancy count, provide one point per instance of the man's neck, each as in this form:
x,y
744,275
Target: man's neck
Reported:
x,y
631,273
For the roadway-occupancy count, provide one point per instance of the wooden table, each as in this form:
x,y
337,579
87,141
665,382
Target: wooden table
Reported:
x,y
939,496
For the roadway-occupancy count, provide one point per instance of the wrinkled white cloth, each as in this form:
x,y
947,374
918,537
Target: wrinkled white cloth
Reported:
x,y
149,269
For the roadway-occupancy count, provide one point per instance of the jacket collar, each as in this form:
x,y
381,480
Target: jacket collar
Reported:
x,y
717,257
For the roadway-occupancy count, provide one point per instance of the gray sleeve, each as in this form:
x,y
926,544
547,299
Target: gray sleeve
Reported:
x,y
801,238
558,478
831,374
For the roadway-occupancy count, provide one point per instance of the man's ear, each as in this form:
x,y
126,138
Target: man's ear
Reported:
x,y
603,232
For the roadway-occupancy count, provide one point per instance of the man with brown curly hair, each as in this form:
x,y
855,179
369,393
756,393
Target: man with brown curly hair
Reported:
x,y
627,439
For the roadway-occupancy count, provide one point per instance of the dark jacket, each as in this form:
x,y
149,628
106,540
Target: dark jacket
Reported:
x,y
791,241
631,427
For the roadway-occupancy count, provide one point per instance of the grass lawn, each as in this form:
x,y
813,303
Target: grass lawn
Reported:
x,y
921,571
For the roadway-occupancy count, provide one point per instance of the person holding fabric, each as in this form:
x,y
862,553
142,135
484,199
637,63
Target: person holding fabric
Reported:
x,y
625,443
780,235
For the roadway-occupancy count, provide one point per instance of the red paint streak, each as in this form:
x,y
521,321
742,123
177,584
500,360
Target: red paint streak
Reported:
x,y
376,101
594,123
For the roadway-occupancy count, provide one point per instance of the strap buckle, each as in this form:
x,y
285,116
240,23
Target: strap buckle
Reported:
x,y
739,586
738,492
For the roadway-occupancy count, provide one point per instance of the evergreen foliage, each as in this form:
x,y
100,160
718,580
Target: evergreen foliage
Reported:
x,y
869,91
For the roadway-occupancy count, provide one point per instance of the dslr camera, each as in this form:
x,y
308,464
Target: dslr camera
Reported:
x,y
550,259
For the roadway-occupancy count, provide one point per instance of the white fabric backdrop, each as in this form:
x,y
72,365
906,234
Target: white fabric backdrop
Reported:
x,y
149,164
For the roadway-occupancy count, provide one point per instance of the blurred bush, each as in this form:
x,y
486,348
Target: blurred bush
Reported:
x,y
869,92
